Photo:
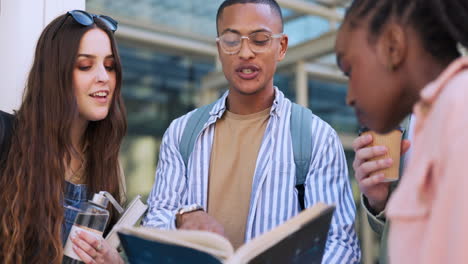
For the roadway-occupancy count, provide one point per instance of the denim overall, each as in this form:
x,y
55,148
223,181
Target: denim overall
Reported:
x,y
74,195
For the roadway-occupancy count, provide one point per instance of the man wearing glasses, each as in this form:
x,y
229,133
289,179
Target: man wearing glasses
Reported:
x,y
239,179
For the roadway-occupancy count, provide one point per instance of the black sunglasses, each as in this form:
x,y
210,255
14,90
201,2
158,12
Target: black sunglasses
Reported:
x,y
87,19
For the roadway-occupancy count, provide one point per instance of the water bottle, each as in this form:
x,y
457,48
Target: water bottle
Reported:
x,y
92,218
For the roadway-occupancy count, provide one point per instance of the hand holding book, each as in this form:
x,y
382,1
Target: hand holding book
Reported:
x,y
200,220
300,240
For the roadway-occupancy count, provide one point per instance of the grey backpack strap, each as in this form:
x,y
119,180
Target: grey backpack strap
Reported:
x,y
193,127
301,135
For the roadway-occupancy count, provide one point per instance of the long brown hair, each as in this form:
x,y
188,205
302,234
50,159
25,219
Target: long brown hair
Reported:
x,y
31,199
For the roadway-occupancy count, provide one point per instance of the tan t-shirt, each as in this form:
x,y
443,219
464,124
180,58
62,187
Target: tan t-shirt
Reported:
x,y
233,158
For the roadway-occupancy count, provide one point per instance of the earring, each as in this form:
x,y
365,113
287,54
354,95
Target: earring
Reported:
x,y
462,49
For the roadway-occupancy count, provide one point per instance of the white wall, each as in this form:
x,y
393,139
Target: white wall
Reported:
x,y
21,22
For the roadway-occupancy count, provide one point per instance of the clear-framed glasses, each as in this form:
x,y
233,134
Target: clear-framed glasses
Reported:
x,y
259,42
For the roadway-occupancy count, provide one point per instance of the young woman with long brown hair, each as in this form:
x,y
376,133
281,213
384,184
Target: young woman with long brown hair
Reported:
x,y
65,142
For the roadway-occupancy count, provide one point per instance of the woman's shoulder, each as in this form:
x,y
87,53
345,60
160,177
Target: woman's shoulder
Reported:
x,y
4,116
460,79
449,87
6,120
455,76
6,127
455,92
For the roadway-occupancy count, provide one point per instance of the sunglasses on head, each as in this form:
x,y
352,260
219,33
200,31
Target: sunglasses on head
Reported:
x,y
87,19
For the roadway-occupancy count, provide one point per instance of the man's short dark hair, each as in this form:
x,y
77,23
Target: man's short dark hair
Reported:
x,y
272,3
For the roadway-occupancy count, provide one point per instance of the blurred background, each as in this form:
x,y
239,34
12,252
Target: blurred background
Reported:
x,y
170,64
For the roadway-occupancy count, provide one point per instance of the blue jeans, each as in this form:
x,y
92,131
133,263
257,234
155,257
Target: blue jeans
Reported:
x,y
74,196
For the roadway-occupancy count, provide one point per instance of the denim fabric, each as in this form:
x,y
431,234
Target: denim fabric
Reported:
x,y
74,196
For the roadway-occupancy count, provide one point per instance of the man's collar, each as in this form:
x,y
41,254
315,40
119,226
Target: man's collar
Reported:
x,y
276,109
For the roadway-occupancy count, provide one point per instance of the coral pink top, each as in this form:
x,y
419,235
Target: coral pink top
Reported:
x,y
429,210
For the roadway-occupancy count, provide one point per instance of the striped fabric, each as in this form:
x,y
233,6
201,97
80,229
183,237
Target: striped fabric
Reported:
x,y
274,196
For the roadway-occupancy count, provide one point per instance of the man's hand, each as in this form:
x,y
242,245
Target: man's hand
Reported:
x,y
200,220
373,187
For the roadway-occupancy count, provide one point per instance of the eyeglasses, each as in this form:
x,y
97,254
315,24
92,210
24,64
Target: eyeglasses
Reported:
x,y
87,19
259,42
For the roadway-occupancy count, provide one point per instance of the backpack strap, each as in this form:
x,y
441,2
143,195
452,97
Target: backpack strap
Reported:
x,y
193,127
301,135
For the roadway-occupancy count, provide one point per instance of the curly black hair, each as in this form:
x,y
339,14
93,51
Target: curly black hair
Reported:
x,y
441,24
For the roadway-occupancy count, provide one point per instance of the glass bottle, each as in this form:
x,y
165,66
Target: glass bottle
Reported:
x,y
92,218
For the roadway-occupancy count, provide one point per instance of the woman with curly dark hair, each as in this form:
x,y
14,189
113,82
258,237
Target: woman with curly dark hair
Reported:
x,y
404,56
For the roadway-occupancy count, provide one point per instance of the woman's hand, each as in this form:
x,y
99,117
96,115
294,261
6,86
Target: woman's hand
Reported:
x,y
94,250
373,187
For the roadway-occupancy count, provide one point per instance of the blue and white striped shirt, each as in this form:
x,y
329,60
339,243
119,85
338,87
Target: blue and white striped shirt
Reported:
x,y
274,197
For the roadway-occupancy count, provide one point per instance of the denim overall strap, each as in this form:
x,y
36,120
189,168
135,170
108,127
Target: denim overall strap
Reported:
x,y
74,196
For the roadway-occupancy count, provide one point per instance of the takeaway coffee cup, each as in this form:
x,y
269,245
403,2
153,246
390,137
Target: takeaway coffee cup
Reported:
x,y
392,141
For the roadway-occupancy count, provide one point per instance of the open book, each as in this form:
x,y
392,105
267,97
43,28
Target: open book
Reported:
x,y
299,240
135,209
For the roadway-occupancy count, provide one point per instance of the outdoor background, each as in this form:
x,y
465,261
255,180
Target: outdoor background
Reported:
x,y
170,64
170,67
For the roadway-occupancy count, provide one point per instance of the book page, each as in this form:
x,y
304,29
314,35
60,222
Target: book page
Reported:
x,y
267,240
208,242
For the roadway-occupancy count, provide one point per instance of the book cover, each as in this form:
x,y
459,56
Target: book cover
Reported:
x,y
135,209
299,240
